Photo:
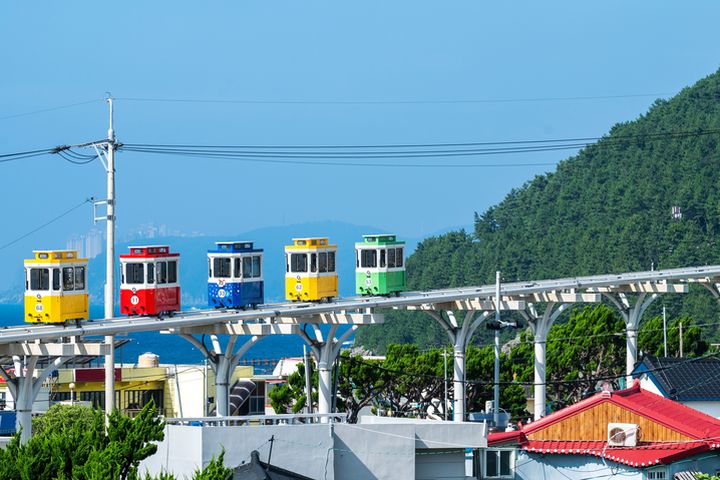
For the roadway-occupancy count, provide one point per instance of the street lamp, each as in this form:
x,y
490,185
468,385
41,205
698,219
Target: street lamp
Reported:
x,y
497,325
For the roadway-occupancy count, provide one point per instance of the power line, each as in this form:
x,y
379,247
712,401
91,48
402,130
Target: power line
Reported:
x,y
254,159
374,364
330,155
50,109
560,141
67,212
10,157
392,102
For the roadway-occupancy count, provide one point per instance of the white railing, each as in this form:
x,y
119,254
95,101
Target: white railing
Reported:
x,y
256,420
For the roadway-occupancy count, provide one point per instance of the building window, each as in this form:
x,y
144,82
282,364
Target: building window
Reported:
x,y
498,464
135,400
656,474
96,399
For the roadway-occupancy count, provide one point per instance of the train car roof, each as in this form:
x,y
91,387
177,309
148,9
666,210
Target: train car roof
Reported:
x,y
310,242
149,251
237,246
380,239
55,256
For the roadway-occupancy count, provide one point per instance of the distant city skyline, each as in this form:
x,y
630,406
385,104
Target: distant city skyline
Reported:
x,y
88,245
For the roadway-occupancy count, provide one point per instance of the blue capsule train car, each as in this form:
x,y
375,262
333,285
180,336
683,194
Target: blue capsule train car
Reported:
x,y
235,275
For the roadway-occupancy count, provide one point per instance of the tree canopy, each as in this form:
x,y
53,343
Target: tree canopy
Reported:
x,y
70,443
607,209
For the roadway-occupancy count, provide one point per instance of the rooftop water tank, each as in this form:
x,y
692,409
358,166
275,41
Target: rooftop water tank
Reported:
x,y
148,360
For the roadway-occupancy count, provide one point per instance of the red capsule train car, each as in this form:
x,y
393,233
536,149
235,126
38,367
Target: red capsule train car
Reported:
x,y
150,283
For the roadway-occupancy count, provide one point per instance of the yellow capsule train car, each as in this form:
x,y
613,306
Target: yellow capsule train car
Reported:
x,y
310,273
56,287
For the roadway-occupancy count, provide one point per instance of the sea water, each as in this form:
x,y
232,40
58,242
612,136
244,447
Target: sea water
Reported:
x,y
173,349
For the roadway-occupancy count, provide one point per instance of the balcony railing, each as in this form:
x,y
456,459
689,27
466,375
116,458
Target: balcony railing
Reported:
x,y
255,420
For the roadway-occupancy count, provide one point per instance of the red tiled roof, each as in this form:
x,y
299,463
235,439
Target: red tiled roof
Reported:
x,y
673,415
703,429
643,455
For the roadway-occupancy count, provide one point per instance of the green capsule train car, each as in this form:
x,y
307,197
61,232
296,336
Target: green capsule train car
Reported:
x,y
379,265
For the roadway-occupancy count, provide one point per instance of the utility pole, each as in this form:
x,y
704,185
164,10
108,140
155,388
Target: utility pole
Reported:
x,y
308,382
109,217
664,331
445,405
681,341
496,392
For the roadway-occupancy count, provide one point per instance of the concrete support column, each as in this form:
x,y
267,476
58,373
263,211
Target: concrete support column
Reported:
x,y
631,358
540,325
222,385
25,388
632,314
324,387
223,365
460,336
459,385
325,351
540,390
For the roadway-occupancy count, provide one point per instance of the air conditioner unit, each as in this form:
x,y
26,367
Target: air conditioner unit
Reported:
x,y
622,434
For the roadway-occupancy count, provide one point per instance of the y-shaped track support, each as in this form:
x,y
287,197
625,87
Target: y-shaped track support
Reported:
x,y
460,336
325,351
713,287
540,326
24,389
631,316
223,364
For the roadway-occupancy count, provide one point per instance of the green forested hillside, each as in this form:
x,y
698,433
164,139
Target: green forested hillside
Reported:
x,y
607,209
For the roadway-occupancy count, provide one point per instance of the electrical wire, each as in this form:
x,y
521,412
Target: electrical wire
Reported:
x,y
10,157
391,102
245,158
50,109
65,213
374,364
582,140
74,159
330,155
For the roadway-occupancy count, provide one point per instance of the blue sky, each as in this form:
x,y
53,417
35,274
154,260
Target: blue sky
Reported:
x,y
59,53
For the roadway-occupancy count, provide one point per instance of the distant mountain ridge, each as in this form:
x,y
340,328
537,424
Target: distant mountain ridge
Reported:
x,y
647,195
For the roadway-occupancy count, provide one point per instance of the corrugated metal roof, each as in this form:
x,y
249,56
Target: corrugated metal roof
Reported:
x,y
673,415
678,377
703,429
643,455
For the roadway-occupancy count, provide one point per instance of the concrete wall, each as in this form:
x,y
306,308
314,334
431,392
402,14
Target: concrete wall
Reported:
x,y
374,451
531,466
571,467
382,448
709,408
305,449
192,384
